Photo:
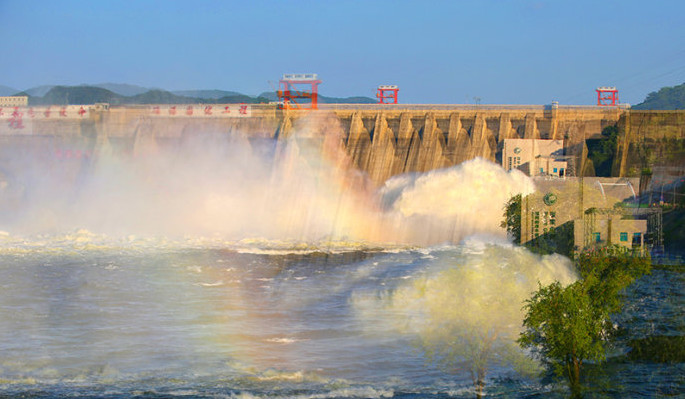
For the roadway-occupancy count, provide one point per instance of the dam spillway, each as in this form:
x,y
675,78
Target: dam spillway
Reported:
x,y
381,140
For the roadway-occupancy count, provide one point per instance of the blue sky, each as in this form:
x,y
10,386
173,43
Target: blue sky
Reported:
x,y
502,51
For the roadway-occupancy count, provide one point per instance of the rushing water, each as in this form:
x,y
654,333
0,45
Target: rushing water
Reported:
x,y
234,271
82,315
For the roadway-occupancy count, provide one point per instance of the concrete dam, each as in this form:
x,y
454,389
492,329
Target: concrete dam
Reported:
x,y
381,140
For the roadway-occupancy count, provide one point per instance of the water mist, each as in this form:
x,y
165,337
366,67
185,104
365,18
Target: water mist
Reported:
x,y
271,264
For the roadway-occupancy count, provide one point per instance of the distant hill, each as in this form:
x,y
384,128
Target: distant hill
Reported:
x,y
121,88
328,100
207,94
7,91
159,97
71,95
119,94
38,91
347,100
66,95
667,98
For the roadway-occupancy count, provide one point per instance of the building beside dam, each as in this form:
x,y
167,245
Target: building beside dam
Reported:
x,y
536,157
566,215
13,101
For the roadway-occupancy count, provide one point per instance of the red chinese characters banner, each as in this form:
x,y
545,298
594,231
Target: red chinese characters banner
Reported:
x,y
202,111
18,116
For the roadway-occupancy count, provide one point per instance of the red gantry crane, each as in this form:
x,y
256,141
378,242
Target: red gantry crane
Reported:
x,y
607,96
296,86
387,94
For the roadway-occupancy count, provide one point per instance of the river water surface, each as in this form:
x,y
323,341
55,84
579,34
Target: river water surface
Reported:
x,y
81,315
241,271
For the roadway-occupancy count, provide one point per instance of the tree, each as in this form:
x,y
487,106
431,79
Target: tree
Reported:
x,y
602,151
471,313
665,98
567,326
512,218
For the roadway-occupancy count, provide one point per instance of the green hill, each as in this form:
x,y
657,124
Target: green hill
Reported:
x,y
271,96
122,88
208,94
7,91
160,97
667,98
67,95
74,95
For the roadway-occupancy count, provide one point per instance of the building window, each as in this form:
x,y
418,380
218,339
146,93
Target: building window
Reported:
x,y
542,171
597,236
555,170
624,237
637,239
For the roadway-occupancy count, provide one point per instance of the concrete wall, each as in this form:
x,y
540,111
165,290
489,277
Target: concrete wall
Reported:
x,y
382,140
648,139
400,138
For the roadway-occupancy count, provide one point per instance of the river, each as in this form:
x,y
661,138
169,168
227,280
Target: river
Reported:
x,y
215,273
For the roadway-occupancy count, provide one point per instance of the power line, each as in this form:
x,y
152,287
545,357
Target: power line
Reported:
x,y
624,83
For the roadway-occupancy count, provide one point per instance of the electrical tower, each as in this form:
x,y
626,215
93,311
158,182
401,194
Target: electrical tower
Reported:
x,y
297,86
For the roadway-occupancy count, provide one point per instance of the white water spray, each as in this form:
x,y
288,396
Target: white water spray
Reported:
x,y
298,189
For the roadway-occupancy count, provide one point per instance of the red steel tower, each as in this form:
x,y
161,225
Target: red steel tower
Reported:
x,y
607,96
295,86
387,94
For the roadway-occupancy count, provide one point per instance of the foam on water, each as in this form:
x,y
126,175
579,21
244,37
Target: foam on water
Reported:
x,y
465,305
450,204
302,189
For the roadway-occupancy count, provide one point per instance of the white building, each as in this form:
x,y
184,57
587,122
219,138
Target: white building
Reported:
x,y
535,157
14,101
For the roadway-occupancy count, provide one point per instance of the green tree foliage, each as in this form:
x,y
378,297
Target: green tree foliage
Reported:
x,y
666,98
512,218
567,326
607,271
471,313
602,151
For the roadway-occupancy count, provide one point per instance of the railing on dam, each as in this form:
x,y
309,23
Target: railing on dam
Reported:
x,y
465,107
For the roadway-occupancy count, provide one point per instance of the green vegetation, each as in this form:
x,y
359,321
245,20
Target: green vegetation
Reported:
x,y
667,98
658,349
674,229
472,314
63,95
602,151
512,218
566,327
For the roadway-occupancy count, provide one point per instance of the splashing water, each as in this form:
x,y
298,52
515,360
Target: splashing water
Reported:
x,y
465,307
259,267
301,189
